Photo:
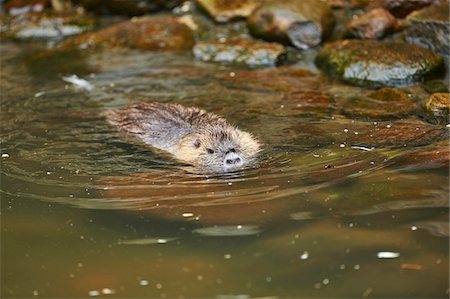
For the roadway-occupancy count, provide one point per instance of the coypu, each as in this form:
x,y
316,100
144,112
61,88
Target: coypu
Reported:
x,y
191,135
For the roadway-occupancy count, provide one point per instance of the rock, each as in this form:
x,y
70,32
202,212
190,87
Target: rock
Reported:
x,y
302,23
430,28
18,7
438,103
375,64
127,7
225,10
157,33
240,50
385,103
288,80
401,8
40,26
297,103
372,25
436,86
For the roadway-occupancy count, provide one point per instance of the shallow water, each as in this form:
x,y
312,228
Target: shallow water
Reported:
x,y
86,212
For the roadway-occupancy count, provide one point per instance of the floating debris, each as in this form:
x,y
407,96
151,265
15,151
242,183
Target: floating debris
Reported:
x,y
78,82
387,255
146,241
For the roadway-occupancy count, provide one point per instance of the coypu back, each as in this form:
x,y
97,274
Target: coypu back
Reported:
x,y
190,134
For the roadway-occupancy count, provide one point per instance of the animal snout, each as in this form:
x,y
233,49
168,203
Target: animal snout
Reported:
x,y
232,160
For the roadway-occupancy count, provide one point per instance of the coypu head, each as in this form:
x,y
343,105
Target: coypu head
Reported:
x,y
220,148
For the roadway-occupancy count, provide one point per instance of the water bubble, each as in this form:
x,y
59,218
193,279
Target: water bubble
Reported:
x,y
107,291
227,256
387,255
94,293
304,255
187,214
5,155
143,282
326,281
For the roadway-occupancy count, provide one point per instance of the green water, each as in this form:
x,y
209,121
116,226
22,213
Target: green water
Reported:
x,y
85,212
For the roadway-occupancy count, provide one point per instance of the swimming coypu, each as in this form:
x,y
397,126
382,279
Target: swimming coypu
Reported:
x,y
191,135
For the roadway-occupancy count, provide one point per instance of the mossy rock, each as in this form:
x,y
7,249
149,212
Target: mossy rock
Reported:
x,y
378,64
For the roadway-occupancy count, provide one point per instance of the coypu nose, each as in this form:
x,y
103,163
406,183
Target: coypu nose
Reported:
x,y
232,160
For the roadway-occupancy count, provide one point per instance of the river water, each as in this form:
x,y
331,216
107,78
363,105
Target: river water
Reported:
x,y
325,213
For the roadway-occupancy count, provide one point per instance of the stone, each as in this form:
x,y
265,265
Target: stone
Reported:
x,y
127,7
155,33
240,51
430,28
401,8
376,64
374,24
385,103
225,10
44,26
18,7
438,103
301,23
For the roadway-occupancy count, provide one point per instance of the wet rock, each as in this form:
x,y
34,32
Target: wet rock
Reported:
x,y
430,28
39,26
436,86
158,33
303,24
127,7
296,103
240,50
225,10
17,7
384,103
438,103
288,80
371,63
372,25
401,8
428,157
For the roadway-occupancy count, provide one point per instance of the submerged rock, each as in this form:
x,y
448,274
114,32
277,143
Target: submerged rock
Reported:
x,y
364,135
158,33
384,103
302,23
430,28
240,50
401,8
371,63
429,157
372,25
39,26
225,10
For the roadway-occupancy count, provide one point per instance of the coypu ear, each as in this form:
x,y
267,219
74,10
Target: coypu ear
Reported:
x,y
197,143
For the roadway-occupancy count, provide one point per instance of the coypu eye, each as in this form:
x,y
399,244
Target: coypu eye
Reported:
x,y
197,143
210,151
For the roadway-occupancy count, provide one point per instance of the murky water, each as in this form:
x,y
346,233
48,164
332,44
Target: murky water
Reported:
x,y
327,212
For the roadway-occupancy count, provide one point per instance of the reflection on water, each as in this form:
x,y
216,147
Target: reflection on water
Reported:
x,y
327,195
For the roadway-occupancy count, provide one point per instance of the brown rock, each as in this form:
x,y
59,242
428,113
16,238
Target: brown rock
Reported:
x,y
226,10
401,8
372,25
303,24
240,50
158,33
